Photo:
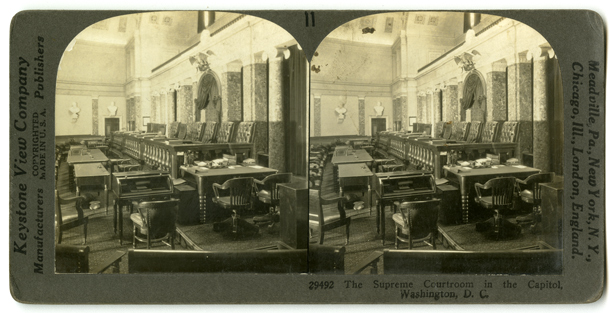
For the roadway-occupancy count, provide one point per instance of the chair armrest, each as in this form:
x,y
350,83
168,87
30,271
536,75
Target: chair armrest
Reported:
x,y
325,201
70,199
478,187
217,186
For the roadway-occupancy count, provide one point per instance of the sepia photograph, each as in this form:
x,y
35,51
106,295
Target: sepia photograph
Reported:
x,y
437,145
268,155
180,144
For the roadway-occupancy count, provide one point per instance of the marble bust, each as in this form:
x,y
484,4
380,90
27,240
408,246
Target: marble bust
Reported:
x,y
379,109
74,110
112,109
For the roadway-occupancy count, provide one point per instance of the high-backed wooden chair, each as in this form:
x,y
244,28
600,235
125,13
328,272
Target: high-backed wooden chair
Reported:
x,y
415,221
235,195
267,191
334,216
529,192
500,201
69,214
209,133
155,221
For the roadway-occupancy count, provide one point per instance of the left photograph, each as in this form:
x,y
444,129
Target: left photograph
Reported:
x,y
181,146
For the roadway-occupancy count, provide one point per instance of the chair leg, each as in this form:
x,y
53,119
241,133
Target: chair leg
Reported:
x,y
347,232
396,237
171,240
321,236
85,233
59,236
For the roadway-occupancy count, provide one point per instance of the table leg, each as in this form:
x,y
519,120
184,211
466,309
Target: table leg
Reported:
x,y
465,205
382,219
120,217
370,196
115,207
377,220
202,207
106,197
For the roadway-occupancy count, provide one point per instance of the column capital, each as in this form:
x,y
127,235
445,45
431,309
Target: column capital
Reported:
x,y
540,53
275,52
232,67
95,97
361,97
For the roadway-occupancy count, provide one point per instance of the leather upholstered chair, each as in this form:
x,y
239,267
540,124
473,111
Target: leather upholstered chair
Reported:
x,y
225,132
209,133
69,214
328,214
447,130
439,127
474,133
416,221
172,132
489,131
182,131
529,192
245,132
267,191
155,221
510,132
235,195
193,131
500,201
459,131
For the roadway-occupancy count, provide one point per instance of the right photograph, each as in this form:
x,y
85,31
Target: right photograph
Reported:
x,y
436,146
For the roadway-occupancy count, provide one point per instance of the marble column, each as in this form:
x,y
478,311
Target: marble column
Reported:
x,y
496,94
426,118
170,106
460,95
404,112
421,99
153,108
232,94
541,113
95,115
138,113
361,114
277,157
185,104
519,86
450,98
248,92
317,116
260,106
163,107
438,107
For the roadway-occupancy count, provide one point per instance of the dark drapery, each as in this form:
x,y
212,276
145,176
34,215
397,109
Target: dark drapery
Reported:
x,y
206,83
295,115
471,88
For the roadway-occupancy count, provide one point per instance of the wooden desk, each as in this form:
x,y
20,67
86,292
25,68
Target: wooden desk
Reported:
x,y
466,180
204,178
294,213
90,156
357,174
350,156
92,174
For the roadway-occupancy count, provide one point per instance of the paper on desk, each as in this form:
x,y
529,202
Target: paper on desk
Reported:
x,y
441,181
178,181
258,167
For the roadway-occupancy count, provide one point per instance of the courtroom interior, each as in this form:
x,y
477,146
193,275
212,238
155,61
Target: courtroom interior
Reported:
x,y
436,145
181,147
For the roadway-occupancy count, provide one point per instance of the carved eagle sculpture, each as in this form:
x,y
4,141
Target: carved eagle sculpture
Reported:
x,y
465,60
